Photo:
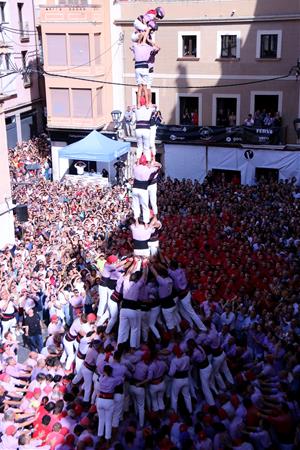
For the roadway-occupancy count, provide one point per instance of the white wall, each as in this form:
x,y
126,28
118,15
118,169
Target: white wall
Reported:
x,y
185,161
55,146
191,161
7,235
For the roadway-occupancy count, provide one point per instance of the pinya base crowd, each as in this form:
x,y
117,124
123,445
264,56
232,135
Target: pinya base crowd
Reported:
x,y
226,377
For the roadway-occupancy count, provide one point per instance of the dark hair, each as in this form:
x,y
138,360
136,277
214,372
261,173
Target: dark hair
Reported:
x,y
46,419
59,406
22,439
174,264
40,377
57,378
108,370
78,430
135,276
68,397
50,406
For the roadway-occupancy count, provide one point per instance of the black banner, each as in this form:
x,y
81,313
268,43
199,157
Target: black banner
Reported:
x,y
220,135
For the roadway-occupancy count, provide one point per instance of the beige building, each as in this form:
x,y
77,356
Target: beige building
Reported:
x,y
80,47
219,59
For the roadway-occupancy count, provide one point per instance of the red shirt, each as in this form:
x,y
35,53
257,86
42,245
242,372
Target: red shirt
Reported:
x,y
53,439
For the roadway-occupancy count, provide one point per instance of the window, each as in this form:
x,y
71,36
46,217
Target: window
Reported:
x,y
228,44
60,102
154,97
7,61
226,110
26,77
57,50
188,110
97,48
188,45
20,15
2,11
262,102
82,103
99,102
79,50
268,45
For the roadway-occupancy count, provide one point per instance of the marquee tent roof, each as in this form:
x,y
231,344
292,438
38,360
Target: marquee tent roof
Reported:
x,y
95,147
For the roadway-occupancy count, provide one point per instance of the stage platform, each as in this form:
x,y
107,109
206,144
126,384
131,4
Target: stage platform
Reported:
x,y
87,179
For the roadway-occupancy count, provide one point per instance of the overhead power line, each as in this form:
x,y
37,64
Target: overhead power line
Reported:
x,y
72,77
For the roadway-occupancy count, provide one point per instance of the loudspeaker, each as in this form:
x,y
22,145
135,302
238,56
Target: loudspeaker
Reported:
x,y
22,213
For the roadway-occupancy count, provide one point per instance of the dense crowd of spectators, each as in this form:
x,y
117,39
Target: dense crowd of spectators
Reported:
x,y
30,160
240,248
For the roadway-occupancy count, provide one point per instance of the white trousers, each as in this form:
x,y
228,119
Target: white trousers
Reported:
x,y
118,410
128,326
113,312
138,397
152,139
152,191
104,309
105,409
78,377
140,199
70,353
103,297
157,396
78,364
143,143
87,382
187,311
153,316
145,252
205,378
170,317
219,366
153,246
181,385
8,325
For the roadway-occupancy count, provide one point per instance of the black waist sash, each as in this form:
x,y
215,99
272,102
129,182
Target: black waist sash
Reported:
x,y
89,366
181,374
216,351
80,355
167,302
141,65
139,184
7,316
142,124
69,337
202,364
119,389
140,245
130,304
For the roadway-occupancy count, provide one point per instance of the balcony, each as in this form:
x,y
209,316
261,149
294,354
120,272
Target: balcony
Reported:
x,y
24,32
7,85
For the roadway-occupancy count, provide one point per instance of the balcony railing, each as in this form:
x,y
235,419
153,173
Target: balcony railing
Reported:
x,y
73,2
237,135
24,32
7,85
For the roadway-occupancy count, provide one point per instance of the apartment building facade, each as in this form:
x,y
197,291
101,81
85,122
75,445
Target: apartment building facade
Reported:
x,y
220,59
19,52
80,43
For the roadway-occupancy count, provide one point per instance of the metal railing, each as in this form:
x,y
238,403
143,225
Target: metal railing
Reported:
x,y
24,31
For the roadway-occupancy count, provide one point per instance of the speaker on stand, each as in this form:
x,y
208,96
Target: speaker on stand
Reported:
x,y
21,212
